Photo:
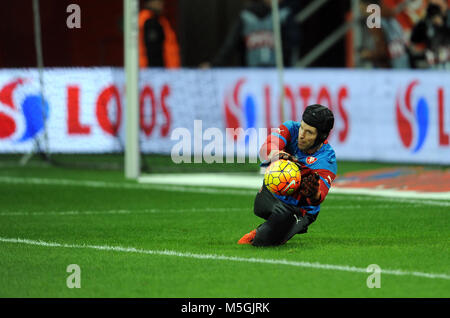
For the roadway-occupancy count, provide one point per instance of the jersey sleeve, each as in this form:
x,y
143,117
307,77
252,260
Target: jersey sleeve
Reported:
x,y
327,171
278,139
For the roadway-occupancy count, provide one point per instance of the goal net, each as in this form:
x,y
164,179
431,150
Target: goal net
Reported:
x,y
148,118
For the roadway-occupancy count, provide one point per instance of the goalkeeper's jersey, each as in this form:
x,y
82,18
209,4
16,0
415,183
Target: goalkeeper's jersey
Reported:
x,y
323,161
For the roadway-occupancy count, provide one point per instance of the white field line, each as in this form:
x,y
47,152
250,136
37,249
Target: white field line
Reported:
x,y
122,185
352,198
255,181
147,211
392,193
153,211
427,199
216,257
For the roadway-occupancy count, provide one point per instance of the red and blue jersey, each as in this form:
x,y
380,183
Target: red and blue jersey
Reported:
x,y
323,161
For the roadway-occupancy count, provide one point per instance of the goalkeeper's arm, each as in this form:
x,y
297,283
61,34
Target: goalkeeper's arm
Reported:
x,y
273,147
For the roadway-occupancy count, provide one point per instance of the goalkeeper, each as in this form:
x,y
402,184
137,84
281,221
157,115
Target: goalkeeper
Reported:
x,y
306,144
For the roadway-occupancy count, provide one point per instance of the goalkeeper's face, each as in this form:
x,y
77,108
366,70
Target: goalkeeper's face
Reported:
x,y
306,136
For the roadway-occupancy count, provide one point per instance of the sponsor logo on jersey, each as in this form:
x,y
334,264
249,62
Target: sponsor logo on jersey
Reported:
x,y
310,160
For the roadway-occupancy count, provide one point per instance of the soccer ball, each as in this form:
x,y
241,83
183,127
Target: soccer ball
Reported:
x,y
282,177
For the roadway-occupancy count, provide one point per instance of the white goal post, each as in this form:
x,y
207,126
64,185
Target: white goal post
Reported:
x,y
132,152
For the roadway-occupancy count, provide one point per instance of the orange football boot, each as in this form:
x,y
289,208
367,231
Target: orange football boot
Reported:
x,y
247,238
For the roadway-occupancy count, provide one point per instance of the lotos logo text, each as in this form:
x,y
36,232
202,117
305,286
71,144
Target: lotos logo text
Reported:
x,y
21,119
257,104
412,115
108,111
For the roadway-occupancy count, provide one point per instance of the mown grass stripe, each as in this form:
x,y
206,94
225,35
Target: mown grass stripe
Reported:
x,y
196,189
74,212
314,265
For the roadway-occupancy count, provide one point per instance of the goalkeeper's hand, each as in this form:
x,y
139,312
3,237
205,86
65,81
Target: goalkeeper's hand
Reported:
x,y
277,155
309,186
284,155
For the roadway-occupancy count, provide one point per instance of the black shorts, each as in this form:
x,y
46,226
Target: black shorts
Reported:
x,y
283,220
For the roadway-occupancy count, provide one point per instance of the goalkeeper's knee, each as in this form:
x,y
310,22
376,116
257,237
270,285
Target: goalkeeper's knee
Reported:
x,y
274,230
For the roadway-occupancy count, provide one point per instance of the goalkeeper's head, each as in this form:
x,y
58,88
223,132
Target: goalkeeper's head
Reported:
x,y
319,117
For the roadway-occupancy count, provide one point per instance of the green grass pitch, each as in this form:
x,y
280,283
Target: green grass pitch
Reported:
x,y
140,241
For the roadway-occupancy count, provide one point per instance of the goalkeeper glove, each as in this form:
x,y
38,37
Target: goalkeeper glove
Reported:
x,y
278,155
309,186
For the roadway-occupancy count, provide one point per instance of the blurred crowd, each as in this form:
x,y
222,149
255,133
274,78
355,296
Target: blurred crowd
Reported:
x,y
413,34
252,36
